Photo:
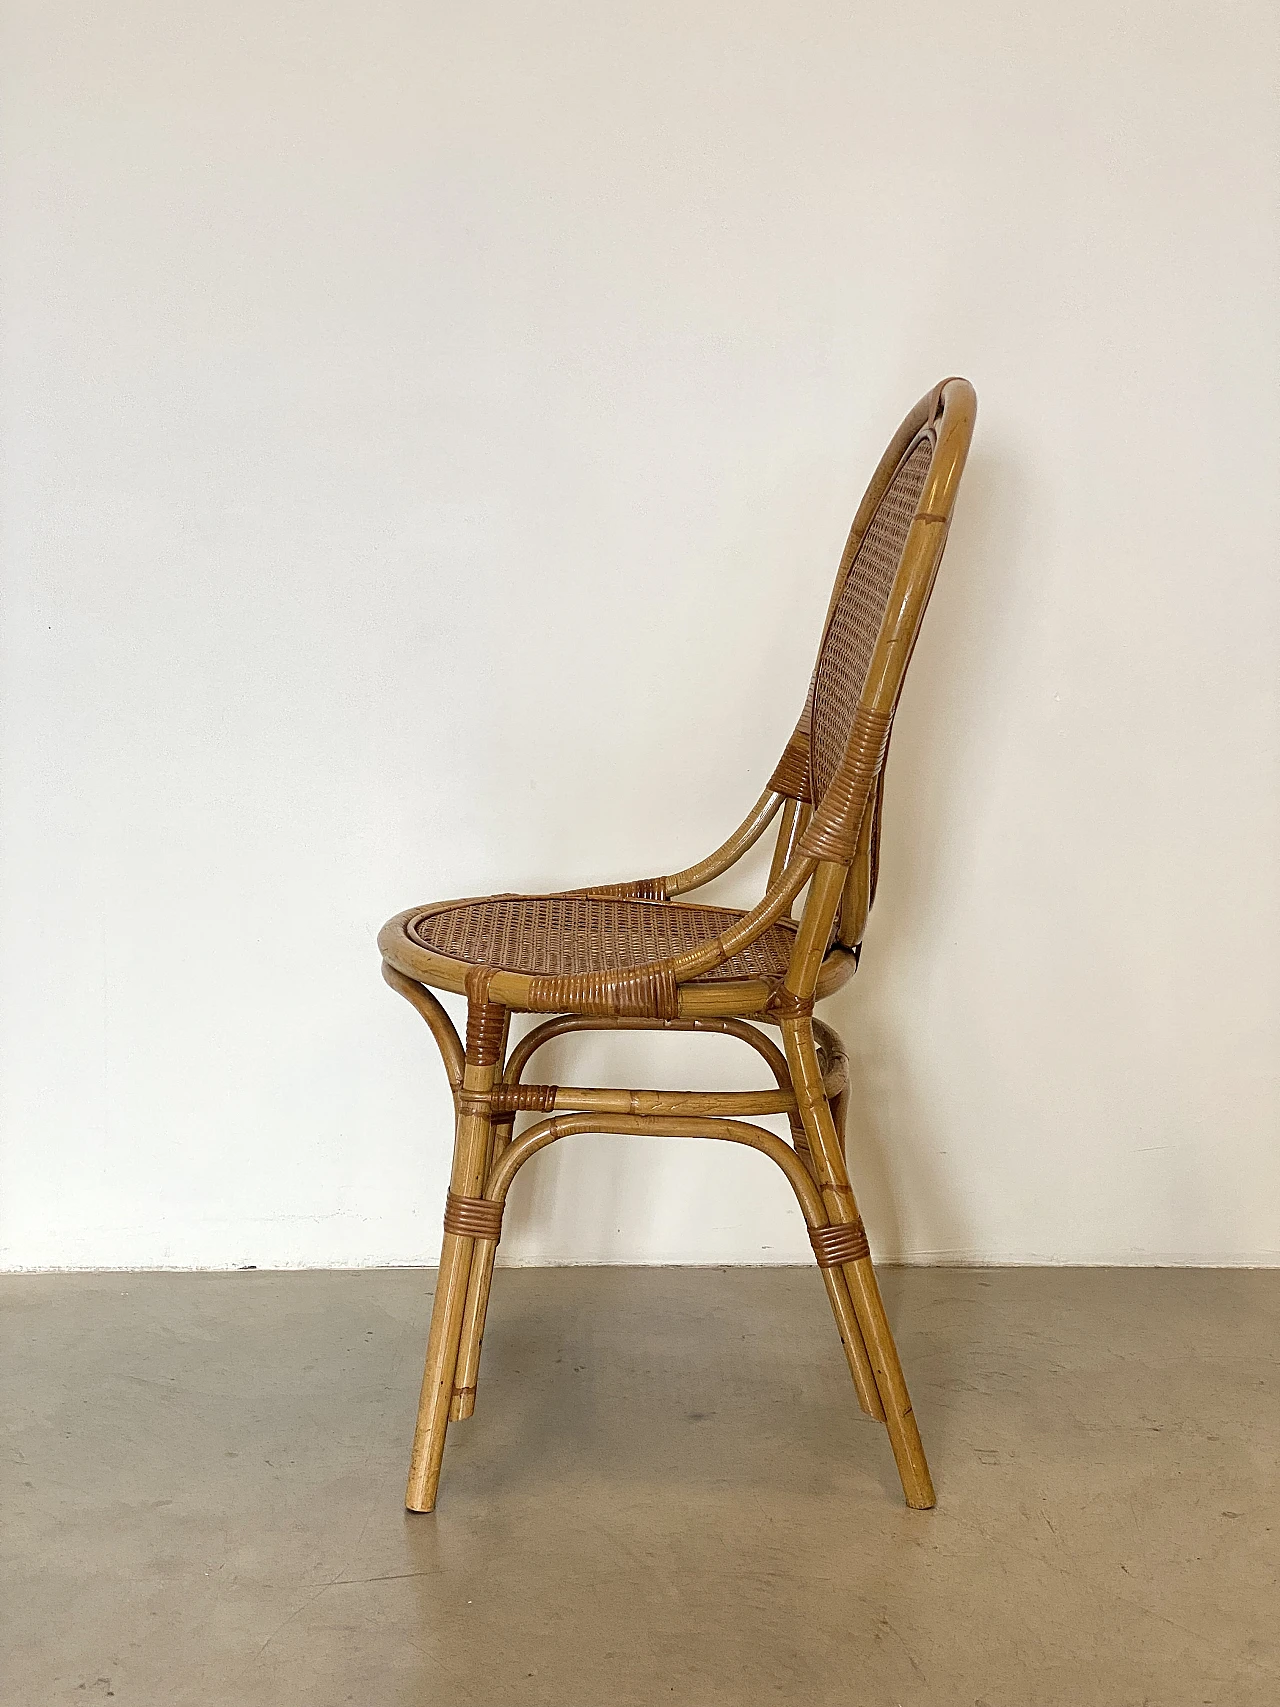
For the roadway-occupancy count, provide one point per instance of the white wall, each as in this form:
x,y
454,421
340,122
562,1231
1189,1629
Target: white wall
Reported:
x,y
429,436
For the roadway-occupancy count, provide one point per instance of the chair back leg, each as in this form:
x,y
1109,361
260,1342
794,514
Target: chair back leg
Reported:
x,y
857,1270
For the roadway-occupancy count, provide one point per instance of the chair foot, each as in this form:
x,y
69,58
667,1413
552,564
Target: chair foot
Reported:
x,y
826,1143
435,1402
904,1433
855,1347
486,1036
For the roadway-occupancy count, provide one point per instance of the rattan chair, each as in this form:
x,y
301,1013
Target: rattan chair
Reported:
x,y
629,957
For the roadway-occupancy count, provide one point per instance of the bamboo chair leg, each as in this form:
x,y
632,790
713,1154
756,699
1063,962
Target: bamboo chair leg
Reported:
x,y
859,1274
800,1142
466,1375
904,1432
841,1302
474,1311
851,1337
442,1354
855,1346
470,1160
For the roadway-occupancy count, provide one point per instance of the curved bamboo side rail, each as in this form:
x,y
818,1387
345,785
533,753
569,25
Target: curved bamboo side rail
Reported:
x,y
745,837
808,1195
564,1023
442,1028
776,903
795,820
545,1132
835,1075
657,982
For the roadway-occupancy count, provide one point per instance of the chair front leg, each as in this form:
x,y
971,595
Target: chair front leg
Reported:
x,y
466,1217
848,1240
466,1376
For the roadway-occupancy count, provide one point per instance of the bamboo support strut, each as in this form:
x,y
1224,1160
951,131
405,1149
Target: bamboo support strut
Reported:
x,y
442,1028
559,1099
546,1132
470,1164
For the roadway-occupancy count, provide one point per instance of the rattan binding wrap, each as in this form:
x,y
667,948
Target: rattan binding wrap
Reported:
x,y
484,1021
833,831
641,889
844,1241
609,995
791,773
472,1217
521,1099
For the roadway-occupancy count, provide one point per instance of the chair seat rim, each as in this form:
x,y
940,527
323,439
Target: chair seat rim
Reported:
x,y
721,997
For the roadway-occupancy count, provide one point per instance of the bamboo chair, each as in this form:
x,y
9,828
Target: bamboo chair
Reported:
x,y
629,957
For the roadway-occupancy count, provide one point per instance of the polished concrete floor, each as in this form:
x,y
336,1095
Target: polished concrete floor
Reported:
x,y
667,1494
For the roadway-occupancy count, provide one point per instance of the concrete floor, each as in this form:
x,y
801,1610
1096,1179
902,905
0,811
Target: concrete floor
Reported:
x,y
667,1494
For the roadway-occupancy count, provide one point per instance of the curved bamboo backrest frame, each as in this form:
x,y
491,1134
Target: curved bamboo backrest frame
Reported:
x,y
842,835
829,845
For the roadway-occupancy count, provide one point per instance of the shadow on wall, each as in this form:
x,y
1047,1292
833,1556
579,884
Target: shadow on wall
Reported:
x,y
938,791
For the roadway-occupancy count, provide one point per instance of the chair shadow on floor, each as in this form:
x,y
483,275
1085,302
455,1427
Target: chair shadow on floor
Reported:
x,y
693,1380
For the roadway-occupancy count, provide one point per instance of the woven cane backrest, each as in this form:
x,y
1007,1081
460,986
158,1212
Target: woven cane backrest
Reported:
x,y
857,618
833,764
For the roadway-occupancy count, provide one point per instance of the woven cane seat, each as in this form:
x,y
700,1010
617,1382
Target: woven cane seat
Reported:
x,y
572,935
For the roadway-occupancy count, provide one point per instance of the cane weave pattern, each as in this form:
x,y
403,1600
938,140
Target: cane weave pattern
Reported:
x,y
590,935
858,617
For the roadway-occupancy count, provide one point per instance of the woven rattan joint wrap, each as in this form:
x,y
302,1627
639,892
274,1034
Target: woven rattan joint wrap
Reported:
x,y
484,1020
515,1099
642,889
844,1242
476,1102
832,832
791,775
472,1217
641,992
